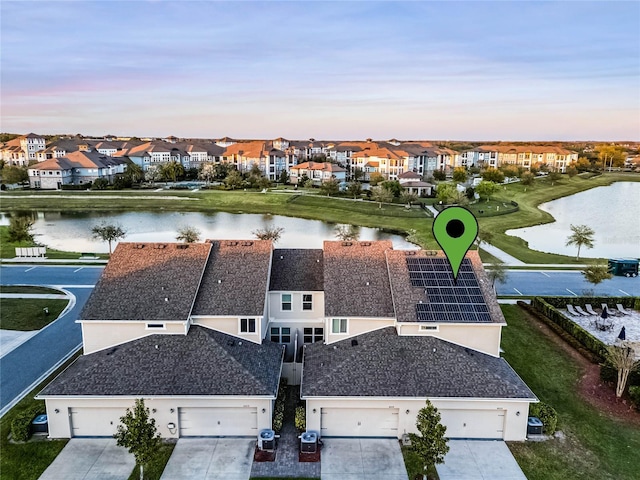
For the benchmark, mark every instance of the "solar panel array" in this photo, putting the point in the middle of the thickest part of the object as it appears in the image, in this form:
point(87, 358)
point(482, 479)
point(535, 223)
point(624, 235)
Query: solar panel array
point(446, 300)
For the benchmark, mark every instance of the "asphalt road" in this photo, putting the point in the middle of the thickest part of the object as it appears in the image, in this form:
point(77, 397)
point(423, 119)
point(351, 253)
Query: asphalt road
point(25, 365)
point(558, 282)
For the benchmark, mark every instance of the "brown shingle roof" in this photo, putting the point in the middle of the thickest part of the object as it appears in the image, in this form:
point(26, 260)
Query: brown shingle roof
point(148, 281)
point(297, 269)
point(235, 278)
point(356, 281)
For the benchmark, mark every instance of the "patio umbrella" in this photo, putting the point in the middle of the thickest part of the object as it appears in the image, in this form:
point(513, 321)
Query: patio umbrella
point(604, 314)
point(623, 334)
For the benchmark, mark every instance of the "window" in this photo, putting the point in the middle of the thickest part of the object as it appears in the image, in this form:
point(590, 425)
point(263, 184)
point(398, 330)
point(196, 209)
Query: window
point(247, 325)
point(155, 326)
point(286, 302)
point(339, 325)
point(312, 335)
point(281, 334)
point(307, 302)
point(426, 328)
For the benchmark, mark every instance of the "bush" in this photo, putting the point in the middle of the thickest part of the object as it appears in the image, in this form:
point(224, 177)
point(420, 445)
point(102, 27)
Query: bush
point(100, 184)
point(301, 419)
point(21, 424)
point(547, 415)
point(634, 393)
point(278, 410)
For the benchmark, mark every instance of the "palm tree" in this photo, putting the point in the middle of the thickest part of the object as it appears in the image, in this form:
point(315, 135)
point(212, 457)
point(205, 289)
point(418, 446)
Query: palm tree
point(582, 235)
point(108, 233)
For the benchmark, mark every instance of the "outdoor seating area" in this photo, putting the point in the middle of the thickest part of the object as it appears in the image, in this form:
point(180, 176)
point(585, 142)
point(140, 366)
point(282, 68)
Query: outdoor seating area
point(611, 325)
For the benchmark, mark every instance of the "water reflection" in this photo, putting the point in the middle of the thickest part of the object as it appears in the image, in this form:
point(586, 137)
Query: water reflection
point(71, 231)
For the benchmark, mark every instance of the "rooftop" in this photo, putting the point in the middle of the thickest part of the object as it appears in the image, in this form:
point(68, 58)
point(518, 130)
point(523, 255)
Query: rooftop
point(297, 269)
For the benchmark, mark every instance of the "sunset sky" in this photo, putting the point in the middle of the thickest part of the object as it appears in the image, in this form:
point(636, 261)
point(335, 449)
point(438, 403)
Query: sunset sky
point(329, 70)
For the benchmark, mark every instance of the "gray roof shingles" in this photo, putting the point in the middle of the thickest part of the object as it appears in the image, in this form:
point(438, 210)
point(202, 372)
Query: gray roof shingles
point(203, 362)
point(297, 269)
point(383, 364)
point(148, 281)
point(235, 278)
point(356, 280)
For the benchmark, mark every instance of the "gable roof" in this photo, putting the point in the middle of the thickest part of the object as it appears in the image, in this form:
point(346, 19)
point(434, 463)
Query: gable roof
point(297, 269)
point(384, 364)
point(148, 281)
point(235, 278)
point(356, 282)
point(202, 362)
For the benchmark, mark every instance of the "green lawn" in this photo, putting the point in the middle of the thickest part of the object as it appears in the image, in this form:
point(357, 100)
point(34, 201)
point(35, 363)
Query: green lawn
point(29, 289)
point(27, 314)
point(414, 465)
point(595, 446)
point(8, 248)
point(154, 470)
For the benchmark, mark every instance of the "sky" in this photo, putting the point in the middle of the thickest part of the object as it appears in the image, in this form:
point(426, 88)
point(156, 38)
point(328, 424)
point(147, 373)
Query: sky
point(452, 70)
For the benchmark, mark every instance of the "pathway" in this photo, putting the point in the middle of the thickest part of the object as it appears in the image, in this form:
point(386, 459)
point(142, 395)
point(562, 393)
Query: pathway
point(507, 259)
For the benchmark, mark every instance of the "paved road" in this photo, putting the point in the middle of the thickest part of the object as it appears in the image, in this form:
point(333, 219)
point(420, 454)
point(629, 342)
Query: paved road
point(554, 282)
point(20, 368)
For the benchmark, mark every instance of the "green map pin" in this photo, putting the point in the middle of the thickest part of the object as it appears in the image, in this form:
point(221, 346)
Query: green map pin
point(455, 229)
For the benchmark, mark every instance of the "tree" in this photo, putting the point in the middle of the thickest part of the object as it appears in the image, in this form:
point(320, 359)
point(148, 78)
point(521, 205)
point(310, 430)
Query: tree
point(152, 174)
point(611, 156)
point(268, 233)
point(263, 183)
point(188, 235)
point(303, 179)
point(381, 195)
point(408, 198)
point(330, 187)
point(234, 179)
point(284, 177)
point(596, 274)
point(137, 433)
point(459, 175)
point(393, 186)
point(485, 189)
point(375, 178)
point(14, 175)
point(108, 233)
point(446, 193)
point(172, 170)
point(207, 172)
point(431, 445)
point(527, 179)
point(354, 189)
point(554, 177)
point(493, 175)
point(100, 184)
point(134, 172)
point(497, 272)
point(572, 171)
point(582, 235)
point(357, 174)
point(347, 232)
point(439, 175)
point(20, 228)
point(484, 236)
point(623, 359)
point(510, 171)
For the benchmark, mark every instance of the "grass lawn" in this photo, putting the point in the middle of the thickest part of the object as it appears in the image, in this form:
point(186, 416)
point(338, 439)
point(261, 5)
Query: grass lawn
point(27, 314)
point(28, 289)
point(154, 470)
point(595, 446)
point(414, 465)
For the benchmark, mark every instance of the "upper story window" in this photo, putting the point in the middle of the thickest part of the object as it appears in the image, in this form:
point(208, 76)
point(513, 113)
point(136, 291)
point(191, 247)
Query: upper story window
point(339, 325)
point(307, 302)
point(286, 302)
point(247, 325)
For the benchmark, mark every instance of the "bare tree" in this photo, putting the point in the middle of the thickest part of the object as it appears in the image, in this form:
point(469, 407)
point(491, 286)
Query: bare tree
point(269, 233)
point(188, 235)
point(347, 232)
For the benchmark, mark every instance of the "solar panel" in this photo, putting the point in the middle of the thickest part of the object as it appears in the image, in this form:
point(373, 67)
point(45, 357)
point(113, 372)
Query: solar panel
point(446, 300)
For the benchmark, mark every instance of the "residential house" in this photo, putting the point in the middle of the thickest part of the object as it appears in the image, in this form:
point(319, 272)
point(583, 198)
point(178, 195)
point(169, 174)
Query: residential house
point(270, 160)
point(317, 172)
point(525, 156)
point(31, 144)
point(204, 332)
point(412, 183)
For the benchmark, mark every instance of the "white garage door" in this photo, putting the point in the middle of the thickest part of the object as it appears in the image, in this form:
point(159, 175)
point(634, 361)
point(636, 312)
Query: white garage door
point(95, 422)
point(213, 422)
point(474, 423)
point(359, 422)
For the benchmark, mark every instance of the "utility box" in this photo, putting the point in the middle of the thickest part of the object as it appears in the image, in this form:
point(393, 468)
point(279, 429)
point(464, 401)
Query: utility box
point(40, 424)
point(627, 267)
point(534, 426)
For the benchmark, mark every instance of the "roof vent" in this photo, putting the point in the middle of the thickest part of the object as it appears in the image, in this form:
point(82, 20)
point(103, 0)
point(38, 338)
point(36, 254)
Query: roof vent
point(219, 281)
point(139, 245)
point(232, 244)
point(160, 246)
point(354, 343)
point(247, 244)
point(157, 348)
point(166, 299)
point(365, 244)
point(347, 244)
point(182, 246)
point(367, 284)
point(281, 257)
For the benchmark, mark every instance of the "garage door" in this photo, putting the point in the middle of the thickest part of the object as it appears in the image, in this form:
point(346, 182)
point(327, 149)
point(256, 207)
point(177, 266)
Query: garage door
point(359, 422)
point(474, 423)
point(213, 422)
point(95, 422)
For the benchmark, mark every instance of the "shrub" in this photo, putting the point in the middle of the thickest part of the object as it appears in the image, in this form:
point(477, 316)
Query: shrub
point(547, 415)
point(21, 424)
point(301, 419)
point(634, 393)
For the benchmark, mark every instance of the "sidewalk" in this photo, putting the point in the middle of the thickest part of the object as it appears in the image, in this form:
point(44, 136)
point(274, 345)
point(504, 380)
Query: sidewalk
point(40, 260)
point(507, 259)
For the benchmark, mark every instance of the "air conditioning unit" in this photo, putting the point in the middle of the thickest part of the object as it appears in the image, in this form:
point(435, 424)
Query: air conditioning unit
point(309, 442)
point(267, 439)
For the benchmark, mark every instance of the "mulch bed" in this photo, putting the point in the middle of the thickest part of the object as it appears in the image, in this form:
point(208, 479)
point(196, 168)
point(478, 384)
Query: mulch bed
point(264, 455)
point(309, 457)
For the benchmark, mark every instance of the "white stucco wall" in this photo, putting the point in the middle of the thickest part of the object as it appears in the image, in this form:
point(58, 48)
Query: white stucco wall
point(483, 338)
point(230, 326)
point(100, 335)
point(296, 313)
point(356, 326)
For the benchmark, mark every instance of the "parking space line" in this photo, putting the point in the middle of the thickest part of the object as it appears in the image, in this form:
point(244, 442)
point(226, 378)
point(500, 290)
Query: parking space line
point(519, 292)
point(78, 269)
point(29, 269)
point(627, 294)
point(572, 293)
point(546, 275)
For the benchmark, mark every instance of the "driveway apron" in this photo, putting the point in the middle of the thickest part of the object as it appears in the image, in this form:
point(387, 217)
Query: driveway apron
point(362, 459)
point(479, 460)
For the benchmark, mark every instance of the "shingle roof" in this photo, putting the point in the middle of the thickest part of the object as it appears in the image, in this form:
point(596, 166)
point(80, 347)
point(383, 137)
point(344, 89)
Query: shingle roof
point(297, 270)
point(356, 282)
point(203, 362)
point(406, 296)
point(148, 281)
point(235, 278)
point(383, 364)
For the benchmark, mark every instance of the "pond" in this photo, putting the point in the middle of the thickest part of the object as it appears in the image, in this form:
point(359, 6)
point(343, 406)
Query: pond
point(71, 231)
point(613, 212)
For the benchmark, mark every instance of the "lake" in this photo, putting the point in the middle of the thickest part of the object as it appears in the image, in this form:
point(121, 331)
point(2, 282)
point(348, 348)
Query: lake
point(71, 231)
point(613, 212)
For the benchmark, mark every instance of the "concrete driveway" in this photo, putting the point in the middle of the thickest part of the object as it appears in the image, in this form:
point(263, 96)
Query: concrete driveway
point(91, 459)
point(208, 458)
point(479, 460)
point(362, 459)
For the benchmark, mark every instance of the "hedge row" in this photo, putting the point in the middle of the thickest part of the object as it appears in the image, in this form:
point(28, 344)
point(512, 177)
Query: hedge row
point(561, 302)
point(21, 424)
point(278, 411)
point(547, 415)
point(546, 307)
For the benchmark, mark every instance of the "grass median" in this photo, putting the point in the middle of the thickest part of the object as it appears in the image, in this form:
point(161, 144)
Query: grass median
point(26, 314)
